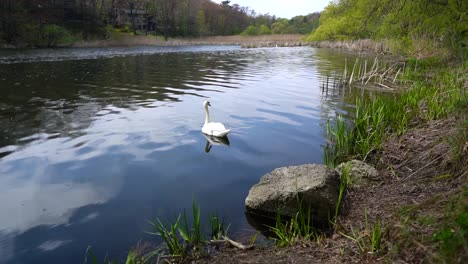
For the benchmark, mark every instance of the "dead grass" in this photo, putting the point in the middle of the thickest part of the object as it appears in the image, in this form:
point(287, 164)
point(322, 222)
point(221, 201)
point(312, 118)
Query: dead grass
point(362, 45)
point(244, 41)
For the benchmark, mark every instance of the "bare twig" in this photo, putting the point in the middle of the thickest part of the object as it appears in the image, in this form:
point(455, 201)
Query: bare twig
point(232, 243)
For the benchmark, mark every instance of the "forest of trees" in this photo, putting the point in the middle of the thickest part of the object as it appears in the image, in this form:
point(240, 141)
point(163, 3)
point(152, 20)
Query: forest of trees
point(51, 22)
point(407, 23)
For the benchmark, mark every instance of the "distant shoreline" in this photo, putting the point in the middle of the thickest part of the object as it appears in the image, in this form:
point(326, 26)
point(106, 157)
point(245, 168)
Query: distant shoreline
point(243, 41)
point(128, 40)
point(279, 40)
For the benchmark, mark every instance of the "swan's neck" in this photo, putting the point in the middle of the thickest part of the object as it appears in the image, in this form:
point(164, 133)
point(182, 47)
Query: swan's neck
point(207, 116)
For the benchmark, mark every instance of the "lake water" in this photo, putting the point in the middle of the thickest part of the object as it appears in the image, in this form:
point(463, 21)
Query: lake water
point(95, 142)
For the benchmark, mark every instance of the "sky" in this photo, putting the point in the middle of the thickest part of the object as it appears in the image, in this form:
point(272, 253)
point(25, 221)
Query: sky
point(283, 8)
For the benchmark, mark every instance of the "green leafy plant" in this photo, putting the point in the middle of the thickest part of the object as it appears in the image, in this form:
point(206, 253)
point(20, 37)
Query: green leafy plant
point(218, 227)
point(169, 234)
point(364, 133)
point(132, 258)
point(344, 182)
point(452, 237)
point(54, 36)
point(369, 239)
point(297, 229)
point(192, 235)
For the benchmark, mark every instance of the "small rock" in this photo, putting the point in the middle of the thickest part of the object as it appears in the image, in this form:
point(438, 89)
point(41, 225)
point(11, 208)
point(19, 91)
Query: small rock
point(359, 172)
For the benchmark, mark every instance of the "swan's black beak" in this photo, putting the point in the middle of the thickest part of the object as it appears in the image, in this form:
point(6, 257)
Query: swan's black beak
point(209, 104)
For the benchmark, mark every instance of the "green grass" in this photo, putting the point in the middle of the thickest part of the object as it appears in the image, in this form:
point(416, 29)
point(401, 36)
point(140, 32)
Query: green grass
point(298, 228)
point(368, 240)
point(218, 227)
point(132, 258)
point(169, 233)
point(192, 235)
point(344, 182)
point(452, 236)
point(440, 223)
point(459, 144)
point(181, 238)
point(428, 99)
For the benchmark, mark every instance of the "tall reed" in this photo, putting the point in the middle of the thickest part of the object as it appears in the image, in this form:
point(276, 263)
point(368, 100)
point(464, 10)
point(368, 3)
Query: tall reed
point(182, 238)
point(430, 99)
point(298, 228)
point(344, 182)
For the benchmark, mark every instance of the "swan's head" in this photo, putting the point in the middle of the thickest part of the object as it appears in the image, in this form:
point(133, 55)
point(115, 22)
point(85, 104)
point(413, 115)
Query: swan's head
point(206, 103)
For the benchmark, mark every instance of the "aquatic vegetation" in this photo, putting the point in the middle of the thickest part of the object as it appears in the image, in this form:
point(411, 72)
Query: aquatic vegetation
point(179, 237)
point(182, 239)
point(218, 228)
point(192, 235)
point(344, 182)
point(133, 257)
point(298, 228)
point(374, 119)
point(169, 234)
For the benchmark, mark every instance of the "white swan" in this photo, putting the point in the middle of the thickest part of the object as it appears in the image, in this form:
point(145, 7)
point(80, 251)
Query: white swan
point(212, 128)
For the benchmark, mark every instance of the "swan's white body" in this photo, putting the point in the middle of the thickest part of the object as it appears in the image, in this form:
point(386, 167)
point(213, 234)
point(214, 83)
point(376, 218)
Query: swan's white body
point(212, 128)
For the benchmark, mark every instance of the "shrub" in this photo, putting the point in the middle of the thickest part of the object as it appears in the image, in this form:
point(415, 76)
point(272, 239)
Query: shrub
point(264, 30)
point(250, 31)
point(54, 36)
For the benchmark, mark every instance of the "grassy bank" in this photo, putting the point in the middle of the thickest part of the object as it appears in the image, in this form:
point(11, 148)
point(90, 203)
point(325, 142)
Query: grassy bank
point(434, 92)
point(419, 142)
point(245, 41)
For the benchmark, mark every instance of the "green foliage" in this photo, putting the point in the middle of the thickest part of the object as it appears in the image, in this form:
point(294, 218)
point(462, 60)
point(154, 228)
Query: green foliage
point(132, 258)
point(452, 237)
point(264, 30)
point(169, 234)
point(296, 25)
point(344, 182)
point(356, 141)
point(369, 239)
point(181, 238)
point(46, 36)
point(254, 31)
point(53, 36)
point(430, 99)
point(201, 23)
point(280, 26)
point(415, 26)
point(297, 229)
point(112, 33)
point(376, 236)
point(250, 31)
point(459, 144)
point(189, 234)
point(218, 227)
point(26, 24)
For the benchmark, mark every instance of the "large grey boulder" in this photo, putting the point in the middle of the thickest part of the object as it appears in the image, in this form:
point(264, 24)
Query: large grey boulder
point(359, 172)
point(317, 186)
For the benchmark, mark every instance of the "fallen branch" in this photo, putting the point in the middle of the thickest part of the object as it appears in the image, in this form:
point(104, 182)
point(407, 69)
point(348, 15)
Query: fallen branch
point(232, 243)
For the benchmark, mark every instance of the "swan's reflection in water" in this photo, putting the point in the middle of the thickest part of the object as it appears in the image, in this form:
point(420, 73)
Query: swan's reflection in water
point(215, 141)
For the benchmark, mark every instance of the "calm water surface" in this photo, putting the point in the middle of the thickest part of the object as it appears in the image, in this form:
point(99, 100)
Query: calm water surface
point(95, 142)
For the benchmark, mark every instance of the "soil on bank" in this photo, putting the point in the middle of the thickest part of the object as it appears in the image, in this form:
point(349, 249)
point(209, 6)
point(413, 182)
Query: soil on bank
point(417, 183)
